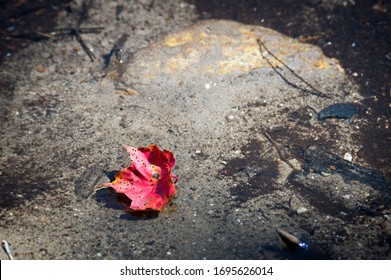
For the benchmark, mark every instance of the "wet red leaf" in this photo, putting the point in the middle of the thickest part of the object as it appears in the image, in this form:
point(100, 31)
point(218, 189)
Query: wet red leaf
point(148, 181)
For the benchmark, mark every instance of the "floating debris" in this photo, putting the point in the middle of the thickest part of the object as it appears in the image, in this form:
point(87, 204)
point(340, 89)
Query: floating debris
point(339, 111)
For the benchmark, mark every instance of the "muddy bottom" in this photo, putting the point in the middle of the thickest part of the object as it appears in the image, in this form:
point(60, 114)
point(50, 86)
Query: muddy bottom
point(278, 121)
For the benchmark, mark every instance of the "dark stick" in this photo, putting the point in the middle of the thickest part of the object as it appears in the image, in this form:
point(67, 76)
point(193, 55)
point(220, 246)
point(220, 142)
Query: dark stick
point(44, 34)
point(84, 46)
point(67, 31)
point(316, 91)
point(83, 15)
point(268, 137)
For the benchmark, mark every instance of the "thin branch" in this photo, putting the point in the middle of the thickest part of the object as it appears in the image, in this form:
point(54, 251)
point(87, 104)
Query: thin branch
point(71, 31)
point(268, 137)
point(85, 47)
point(314, 92)
point(50, 33)
point(75, 31)
point(82, 17)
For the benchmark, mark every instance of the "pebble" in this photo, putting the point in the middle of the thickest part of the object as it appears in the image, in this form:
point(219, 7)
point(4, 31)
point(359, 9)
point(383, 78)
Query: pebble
point(348, 157)
point(342, 213)
point(301, 210)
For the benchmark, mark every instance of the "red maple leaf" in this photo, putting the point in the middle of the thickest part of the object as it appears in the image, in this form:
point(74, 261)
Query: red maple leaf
point(148, 181)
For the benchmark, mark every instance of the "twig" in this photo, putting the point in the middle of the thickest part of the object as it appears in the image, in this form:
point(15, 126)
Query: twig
point(7, 249)
point(83, 15)
point(268, 137)
point(84, 46)
point(73, 31)
point(48, 34)
point(81, 30)
point(314, 92)
point(45, 35)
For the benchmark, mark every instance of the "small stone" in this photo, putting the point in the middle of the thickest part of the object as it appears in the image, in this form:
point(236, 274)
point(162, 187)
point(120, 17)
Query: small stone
point(332, 167)
point(348, 157)
point(301, 210)
point(342, 213)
